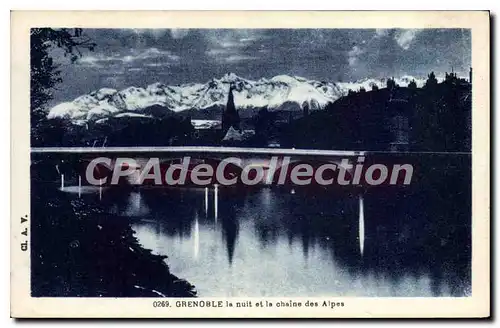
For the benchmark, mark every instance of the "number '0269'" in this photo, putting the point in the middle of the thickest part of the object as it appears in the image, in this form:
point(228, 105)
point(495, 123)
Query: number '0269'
point(157, 304)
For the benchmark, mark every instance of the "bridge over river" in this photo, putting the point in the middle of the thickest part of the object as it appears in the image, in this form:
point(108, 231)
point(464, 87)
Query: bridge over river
point(74, 161)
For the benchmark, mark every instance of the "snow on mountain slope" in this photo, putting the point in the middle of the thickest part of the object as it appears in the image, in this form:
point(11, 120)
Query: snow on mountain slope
point(272, 93)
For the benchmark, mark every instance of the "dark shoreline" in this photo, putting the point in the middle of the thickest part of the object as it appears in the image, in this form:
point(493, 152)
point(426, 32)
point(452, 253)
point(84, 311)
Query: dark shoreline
point(81, 251)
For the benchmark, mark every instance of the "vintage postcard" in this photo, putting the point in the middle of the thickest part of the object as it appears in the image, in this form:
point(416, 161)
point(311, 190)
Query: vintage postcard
point(250, 164)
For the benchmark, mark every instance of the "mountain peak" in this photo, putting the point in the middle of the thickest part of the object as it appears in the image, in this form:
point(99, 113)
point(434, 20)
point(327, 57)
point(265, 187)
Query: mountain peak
point(230, 77)
point(292, 92)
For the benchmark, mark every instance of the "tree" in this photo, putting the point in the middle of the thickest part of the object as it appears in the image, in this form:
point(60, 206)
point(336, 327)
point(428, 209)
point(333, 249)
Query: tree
point(412, 85)
point(391, 84)
point(44, 72)
point(431, 80)
point(374, 87)
point(264, 126)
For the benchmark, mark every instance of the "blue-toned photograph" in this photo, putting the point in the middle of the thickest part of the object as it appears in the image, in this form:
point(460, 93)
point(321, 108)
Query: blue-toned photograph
point(250, 162)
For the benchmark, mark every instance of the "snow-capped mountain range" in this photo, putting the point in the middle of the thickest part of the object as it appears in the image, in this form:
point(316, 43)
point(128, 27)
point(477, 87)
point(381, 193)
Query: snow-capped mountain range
point(275, 93)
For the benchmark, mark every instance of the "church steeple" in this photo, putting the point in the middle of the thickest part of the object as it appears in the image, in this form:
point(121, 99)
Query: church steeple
point(230, 117)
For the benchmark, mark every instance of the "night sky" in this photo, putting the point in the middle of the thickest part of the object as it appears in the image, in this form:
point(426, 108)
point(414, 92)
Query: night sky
point(138, 57)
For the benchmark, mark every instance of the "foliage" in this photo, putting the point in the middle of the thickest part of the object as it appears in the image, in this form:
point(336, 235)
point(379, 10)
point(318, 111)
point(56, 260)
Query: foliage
point(431, 81)
point(391, 84)
point(44, 73)
point(438, 119)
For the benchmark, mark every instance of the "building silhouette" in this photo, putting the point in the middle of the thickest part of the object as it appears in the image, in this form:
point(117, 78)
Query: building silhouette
point(230, 117)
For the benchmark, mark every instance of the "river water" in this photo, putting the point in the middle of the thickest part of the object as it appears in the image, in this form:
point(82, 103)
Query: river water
point(285, 242)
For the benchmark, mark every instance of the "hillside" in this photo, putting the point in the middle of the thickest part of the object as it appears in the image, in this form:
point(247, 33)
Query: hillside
point(431, 118)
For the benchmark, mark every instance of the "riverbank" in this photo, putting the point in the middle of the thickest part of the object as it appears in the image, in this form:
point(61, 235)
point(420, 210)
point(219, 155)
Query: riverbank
point(79, 250)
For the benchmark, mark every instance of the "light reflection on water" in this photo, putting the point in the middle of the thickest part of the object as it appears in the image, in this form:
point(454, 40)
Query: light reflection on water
point(361, 225)
point(272, 242)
